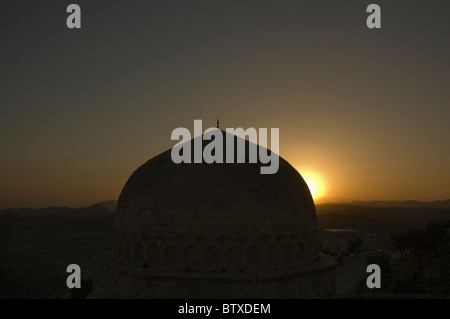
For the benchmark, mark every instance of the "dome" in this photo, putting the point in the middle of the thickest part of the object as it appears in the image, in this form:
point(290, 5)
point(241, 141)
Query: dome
point(210, 218)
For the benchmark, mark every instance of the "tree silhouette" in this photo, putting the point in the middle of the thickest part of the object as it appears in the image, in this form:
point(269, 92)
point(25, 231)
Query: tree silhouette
point(400, 242)
point(421, 242)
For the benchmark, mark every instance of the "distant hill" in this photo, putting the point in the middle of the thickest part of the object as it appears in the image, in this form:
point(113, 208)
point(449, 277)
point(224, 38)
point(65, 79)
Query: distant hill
point(111, 204)
point(32, 211)
point(445, 204)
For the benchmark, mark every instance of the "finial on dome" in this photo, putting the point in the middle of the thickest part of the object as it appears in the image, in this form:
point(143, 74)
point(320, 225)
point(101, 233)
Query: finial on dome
point(217, 121)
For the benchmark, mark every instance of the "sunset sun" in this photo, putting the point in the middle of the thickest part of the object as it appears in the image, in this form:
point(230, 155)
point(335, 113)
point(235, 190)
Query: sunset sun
point(312, 189)
point(315, 184)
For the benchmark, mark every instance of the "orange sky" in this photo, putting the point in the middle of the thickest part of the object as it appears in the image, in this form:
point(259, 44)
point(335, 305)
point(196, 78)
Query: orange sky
point(365, 111)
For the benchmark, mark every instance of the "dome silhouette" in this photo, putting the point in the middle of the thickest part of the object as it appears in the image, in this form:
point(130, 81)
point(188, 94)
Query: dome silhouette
point(229, 207)
point(192, 230)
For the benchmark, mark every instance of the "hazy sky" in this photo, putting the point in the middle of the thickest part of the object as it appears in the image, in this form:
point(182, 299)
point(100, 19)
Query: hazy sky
point(363, 113)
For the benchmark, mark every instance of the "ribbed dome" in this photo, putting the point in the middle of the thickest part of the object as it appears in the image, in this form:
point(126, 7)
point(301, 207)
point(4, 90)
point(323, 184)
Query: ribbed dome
point(215, 217)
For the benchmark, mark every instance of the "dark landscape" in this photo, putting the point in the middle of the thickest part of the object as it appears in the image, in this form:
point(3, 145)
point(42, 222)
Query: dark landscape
point(36, 245)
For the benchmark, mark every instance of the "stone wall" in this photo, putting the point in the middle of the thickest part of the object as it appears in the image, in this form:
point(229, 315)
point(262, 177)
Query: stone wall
point(316, 280)
point(223, 253)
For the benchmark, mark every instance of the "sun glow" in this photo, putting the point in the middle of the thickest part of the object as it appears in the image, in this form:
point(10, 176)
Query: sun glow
point(315, 183)
point(312, 189)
